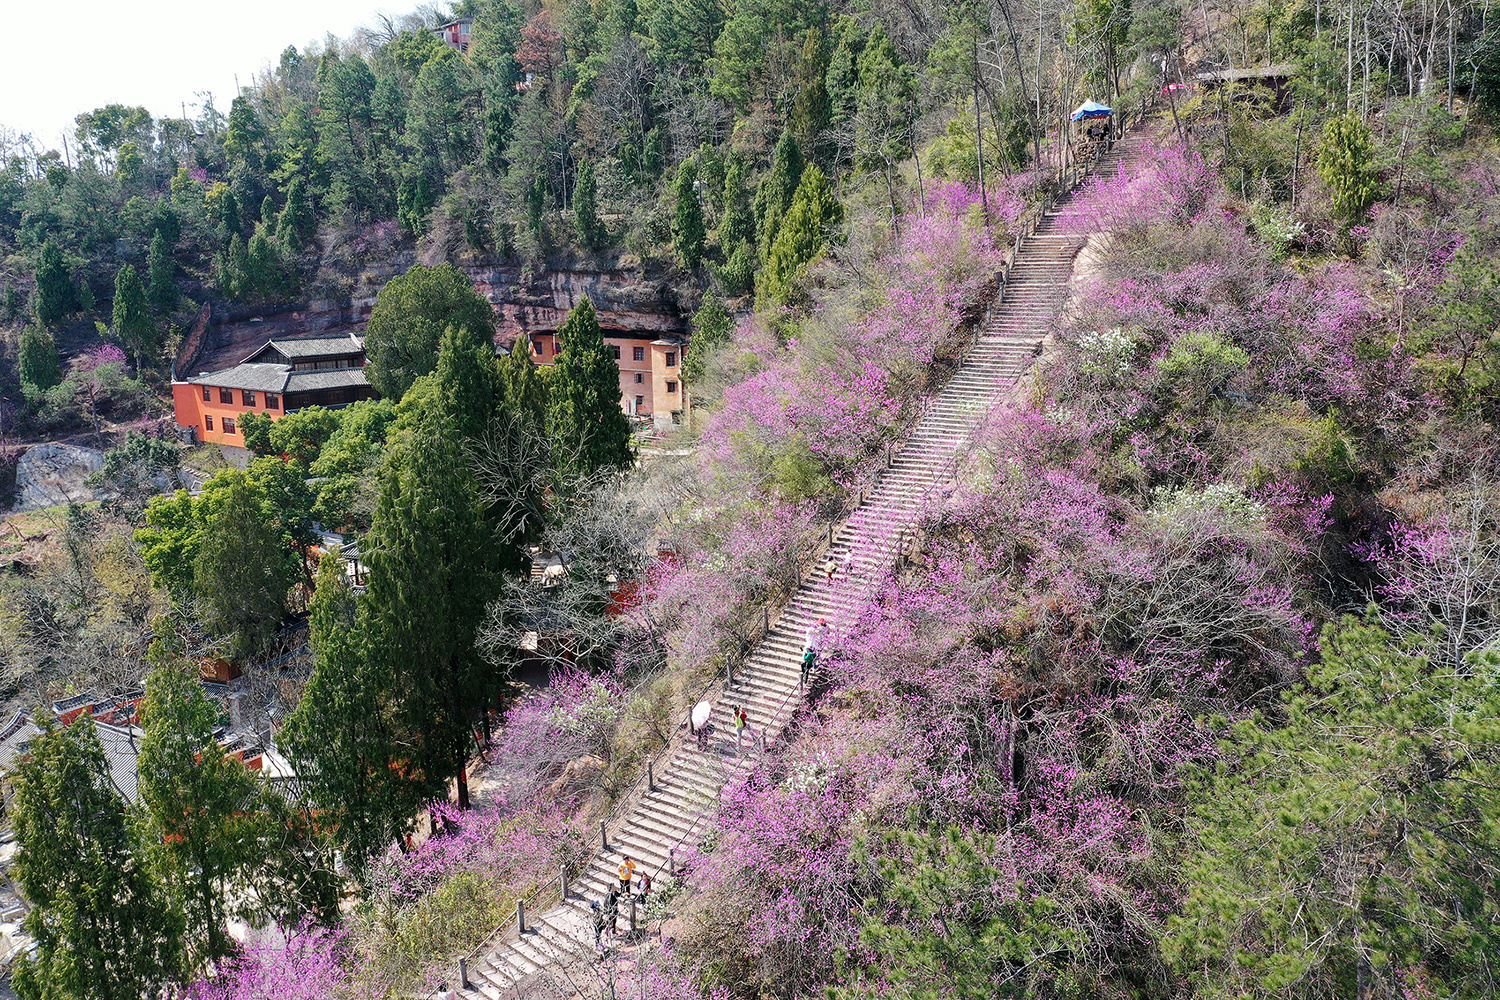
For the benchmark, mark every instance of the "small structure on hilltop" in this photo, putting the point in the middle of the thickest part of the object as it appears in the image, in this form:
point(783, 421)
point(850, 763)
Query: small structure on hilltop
point(1277, 78)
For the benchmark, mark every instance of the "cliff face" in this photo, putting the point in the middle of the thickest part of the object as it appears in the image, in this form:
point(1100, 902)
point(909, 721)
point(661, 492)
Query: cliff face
point(525, 303)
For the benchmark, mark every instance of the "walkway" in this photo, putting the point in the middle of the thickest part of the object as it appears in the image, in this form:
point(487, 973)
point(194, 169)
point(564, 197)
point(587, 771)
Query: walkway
point(688, 782)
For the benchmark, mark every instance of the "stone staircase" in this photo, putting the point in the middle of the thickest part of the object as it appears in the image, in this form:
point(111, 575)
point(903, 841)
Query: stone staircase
point(688, 781)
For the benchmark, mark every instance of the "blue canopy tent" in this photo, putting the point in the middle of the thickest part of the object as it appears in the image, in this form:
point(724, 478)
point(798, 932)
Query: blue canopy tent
point(1091, 109)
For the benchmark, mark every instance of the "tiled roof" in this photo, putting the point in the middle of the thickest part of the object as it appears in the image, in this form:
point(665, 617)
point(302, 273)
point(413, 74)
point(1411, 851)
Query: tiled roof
point(332, 378)
point(16, 737)
point(313, 347)
point(77, 701)
point(256, 377)
point(122, 751)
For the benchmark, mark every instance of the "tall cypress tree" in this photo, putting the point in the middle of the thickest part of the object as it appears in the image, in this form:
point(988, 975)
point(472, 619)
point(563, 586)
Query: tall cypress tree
point(774, 196)
point(159, 270)
point(688, 234)
point(344, 737)
point(203, 806)
point(101, 920)
point(133, 324)
point(591, 232)
point(434, 566)
point(38, 361)
point(804, 232)
point(584, 416)
point(56, 295)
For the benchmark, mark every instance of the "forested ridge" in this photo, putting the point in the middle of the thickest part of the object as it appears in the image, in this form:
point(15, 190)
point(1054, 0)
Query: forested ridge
point(1187, 685)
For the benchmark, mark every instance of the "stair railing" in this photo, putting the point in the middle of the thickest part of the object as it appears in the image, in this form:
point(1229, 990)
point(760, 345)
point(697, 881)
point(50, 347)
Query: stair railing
point(1066, 181)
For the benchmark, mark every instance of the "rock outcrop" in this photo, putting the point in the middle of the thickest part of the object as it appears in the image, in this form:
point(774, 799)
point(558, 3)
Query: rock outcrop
point(54, 473)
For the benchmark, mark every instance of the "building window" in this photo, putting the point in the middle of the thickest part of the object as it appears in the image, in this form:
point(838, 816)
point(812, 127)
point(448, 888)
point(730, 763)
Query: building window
point(639, 377)
point(536, 347)
point(637, 354)
point(615, 350)
point(248, 396)
point(208, 422)
point(273, 401)
point(205, 394)
point(671, 359)
point(640, 401)
point(671, 386)
point(228, 425)
point(676, 416)
point(556, 347)
point(226, 395)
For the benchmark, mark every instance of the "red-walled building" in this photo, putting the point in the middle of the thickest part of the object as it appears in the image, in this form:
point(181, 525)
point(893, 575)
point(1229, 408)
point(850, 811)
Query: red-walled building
point(650, 370)
point(279, 378)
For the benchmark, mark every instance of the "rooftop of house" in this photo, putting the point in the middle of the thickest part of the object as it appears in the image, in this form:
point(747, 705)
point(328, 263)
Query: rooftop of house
point(1247, 73)
point(271, 367)
point(312, 347)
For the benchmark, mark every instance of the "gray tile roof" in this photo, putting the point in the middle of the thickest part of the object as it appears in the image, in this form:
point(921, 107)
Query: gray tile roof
point(313, 347)
point(16, 738)
point(332, 378)
point(122, 751)
point(256, 377)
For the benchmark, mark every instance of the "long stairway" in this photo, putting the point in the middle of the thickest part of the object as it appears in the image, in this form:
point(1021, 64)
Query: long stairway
point(677, 813)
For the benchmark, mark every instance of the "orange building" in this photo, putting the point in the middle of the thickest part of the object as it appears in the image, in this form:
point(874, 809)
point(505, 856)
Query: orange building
point(279, 378)
point(650, 371)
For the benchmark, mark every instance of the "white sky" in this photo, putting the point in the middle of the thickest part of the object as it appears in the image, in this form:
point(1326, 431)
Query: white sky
point(56, 62)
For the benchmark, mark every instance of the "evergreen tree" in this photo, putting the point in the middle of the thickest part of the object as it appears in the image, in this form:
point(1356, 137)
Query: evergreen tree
point(803, 235)
point(688, 234)
point(711, 329)
point(1355, 837)
point(521, 382)
point(38, 361)
point(56, 295)
point(245, 137)
point(774, 196)
point(738, 222)
point(265, 277)
point(468, 381)
point(536, 203)
point(133, 324)
point(591, 232)
point(433, 569)
point(103, 926)
point(231, 269)
point(343, 737)
point(1347, 165)
point(810, 108)
point(296, 222)
point(230, 224)
point(401, 339)
point(244, 567)
point(160, 268)
point(738, 273)
point(584, 416)
point(202, 806)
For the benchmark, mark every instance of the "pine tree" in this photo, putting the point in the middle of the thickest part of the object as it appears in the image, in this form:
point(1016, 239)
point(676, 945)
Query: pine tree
point(407, 323)
point(202, 806)
point(56, 295)
point(133, 325)
point(468, 382)
point(38, 362)
point(584, 416)
point(103, 926)
point(688, 234)
point(343, 737)
point(774, 196)
point(803, 235)
point(159, 269)
point(591, 231)
point(711, 328)
point(738, 273)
